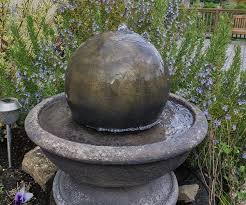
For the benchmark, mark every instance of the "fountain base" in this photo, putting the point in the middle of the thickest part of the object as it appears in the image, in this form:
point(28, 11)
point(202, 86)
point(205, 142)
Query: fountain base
point(162, 191)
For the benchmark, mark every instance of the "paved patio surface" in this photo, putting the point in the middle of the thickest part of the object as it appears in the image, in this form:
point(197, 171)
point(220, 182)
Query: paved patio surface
point(231, 53)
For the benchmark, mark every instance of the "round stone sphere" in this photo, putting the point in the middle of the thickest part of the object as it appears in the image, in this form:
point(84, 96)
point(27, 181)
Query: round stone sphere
point(117, 81)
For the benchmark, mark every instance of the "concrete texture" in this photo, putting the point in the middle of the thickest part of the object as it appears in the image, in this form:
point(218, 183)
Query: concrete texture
point(115, 165)
point(149, 152)
point(163, 191)
point(116, 175)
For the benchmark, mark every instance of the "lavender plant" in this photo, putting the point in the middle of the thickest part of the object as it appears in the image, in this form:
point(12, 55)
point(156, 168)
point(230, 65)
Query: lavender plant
point(5, 74)
point(35, 63)
point(39, 66)
point(219, 93)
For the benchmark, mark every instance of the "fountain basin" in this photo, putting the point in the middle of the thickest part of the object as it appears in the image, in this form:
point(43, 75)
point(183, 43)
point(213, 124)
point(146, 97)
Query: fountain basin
point(116, 160)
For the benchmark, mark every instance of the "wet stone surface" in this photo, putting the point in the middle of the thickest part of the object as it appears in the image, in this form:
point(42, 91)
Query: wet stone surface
point(113, 79)
point(57, 119)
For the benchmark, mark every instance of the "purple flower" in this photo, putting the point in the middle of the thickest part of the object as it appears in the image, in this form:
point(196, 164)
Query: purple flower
point(228, 117)
point(18, 74)
point(22, 196)
point(241, 102)
point(225, 108)
point(217, 123)
point(209, 82)
point(199, 90)
point(234, 127)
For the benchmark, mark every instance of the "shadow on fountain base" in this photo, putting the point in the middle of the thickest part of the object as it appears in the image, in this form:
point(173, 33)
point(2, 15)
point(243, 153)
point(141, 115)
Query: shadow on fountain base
point(161, 191)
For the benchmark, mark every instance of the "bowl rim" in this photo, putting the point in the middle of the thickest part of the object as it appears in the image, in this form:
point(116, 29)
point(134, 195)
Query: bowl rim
point(88, 153)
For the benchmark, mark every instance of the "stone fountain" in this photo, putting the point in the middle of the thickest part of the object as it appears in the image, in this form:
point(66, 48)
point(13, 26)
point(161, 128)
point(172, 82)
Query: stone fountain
point(117, 133)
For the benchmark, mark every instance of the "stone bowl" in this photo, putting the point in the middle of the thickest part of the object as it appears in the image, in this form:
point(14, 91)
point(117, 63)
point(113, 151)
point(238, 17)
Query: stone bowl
point(116, 160)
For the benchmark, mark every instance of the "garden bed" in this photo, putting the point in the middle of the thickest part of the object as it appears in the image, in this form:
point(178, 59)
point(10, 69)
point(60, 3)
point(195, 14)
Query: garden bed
point(12, 179)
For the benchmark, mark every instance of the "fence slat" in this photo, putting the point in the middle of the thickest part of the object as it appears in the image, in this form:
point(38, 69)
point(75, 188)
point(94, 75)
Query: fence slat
point(237, 16)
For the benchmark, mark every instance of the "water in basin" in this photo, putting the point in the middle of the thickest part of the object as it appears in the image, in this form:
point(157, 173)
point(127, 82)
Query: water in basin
point(56, 119)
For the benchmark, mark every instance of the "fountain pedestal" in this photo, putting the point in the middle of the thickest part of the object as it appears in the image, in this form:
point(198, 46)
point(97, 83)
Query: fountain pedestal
point(162, 191)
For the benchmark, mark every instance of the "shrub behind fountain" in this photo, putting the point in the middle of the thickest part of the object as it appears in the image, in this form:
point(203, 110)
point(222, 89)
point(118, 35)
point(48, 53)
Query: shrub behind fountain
point(117, 83)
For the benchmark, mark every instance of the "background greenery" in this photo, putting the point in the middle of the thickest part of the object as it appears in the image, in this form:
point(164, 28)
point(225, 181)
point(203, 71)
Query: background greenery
point(225, 4)
point(36, 50)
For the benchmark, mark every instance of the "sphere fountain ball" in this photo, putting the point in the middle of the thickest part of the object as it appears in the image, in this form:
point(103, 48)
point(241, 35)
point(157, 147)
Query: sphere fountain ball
point(117, 81)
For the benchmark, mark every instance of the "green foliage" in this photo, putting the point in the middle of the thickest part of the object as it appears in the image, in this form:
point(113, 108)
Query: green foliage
point(33, 67)
point(39, 67)
point(188, 56)
point(233, 5)
point(229, 5)
point(222, 152)
point(210, 5)
point(199, 76)
point(240, 6)
point(1, 190)
point(6, 86)
point(212, 1)
point(219, 42)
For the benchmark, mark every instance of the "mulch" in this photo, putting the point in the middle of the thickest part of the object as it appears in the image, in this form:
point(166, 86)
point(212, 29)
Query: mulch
point(11, 179)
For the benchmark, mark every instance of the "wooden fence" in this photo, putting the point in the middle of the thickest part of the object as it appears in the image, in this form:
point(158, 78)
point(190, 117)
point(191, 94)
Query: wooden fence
point(238, 19)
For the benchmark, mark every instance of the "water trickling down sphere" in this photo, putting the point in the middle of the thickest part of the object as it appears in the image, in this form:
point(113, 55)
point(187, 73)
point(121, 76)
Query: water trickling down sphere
point(117, 81)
